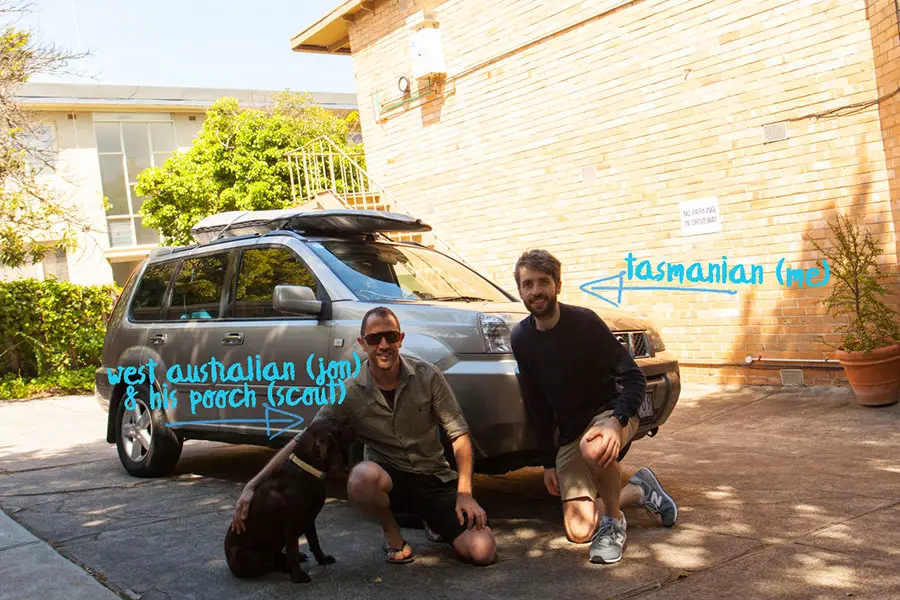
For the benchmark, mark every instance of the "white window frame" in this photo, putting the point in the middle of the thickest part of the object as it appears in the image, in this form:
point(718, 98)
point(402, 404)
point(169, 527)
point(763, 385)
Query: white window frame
point(53, 147)
point(147, 119)
point(64, 260)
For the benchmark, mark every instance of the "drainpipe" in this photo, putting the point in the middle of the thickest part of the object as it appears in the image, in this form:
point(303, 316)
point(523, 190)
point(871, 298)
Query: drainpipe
point(750, 359)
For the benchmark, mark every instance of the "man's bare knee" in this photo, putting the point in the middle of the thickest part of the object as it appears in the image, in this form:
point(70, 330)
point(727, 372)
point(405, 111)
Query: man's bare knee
point(592, 457)
point(365, 481)
point(484, 547)
point(580, 518)
point(579, 532)
point(591, 451)
point(587, 451)
point(477, 545)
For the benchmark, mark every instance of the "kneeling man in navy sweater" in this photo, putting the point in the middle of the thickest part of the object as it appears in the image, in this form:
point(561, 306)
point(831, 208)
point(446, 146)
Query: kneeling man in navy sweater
point(569, 361)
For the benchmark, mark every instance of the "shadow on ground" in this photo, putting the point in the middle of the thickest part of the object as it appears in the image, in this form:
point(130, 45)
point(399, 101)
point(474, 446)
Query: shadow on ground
point(782, 494)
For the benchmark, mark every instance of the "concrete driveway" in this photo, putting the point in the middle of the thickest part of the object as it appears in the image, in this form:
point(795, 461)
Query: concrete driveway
point(782, 493)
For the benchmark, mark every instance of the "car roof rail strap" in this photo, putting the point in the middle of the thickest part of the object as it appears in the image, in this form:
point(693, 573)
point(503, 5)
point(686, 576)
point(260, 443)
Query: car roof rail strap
point(310, 222)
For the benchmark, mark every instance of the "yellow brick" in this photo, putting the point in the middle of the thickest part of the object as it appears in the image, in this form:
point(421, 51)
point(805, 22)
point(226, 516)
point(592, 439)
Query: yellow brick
point(667, 102)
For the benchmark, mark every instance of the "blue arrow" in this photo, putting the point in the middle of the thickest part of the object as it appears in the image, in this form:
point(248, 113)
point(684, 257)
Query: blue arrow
point(592, 288)
point(294, 421)
point(269, 407)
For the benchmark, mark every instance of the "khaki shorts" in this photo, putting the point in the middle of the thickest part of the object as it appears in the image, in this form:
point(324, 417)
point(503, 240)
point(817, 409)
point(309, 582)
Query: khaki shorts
point(575, 477)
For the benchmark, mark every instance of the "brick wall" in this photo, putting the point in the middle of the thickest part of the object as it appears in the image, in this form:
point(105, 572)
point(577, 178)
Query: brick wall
point(885, 30)
point(665, 101)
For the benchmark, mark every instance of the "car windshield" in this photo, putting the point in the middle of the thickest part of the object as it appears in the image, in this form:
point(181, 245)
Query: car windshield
point(377, 271)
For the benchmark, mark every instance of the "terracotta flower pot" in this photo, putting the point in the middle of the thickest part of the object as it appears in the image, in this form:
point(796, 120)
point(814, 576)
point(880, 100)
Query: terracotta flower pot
point(875, 376)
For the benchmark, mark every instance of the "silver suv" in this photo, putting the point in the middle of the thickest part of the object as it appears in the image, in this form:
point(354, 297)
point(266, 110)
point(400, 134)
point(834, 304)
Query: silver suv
point(291, 287)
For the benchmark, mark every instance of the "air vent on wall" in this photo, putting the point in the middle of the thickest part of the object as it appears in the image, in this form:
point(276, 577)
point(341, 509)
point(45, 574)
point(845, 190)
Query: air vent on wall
point(775, 132)
point(792, 377)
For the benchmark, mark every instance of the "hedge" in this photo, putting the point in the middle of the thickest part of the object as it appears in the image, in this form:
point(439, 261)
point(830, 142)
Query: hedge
point(76, 381)
point(52, 326)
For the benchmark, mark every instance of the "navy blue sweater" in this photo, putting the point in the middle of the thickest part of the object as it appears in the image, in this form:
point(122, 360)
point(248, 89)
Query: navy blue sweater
point(569, 373)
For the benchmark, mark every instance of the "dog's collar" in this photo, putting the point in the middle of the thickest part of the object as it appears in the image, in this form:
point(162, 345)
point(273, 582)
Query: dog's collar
point(308, 468)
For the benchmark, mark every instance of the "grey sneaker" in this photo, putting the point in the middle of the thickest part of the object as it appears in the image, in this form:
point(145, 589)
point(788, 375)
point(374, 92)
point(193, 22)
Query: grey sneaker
point(654, 498)
point(608, 543)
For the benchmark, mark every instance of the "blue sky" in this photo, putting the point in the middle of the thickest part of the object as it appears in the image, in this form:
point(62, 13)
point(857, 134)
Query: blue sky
point(193, 43)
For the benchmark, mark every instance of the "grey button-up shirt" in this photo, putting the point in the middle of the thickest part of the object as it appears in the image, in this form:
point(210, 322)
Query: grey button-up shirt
point(407, 437)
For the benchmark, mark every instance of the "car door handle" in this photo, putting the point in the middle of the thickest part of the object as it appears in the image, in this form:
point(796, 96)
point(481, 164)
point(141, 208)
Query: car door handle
point(233, 339)
point(159, 338)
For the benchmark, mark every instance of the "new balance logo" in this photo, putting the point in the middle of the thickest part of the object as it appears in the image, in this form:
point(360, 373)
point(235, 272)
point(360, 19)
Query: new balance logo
point(655, 498)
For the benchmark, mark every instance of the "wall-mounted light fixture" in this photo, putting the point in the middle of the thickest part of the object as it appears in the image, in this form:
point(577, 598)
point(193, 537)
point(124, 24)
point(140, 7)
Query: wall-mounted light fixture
point(405, 88)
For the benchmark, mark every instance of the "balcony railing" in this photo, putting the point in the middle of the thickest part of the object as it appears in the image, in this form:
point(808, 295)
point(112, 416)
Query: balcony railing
point(323, 173)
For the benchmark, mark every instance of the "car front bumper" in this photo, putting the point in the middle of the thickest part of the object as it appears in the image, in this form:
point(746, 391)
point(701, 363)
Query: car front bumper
point(486, 387)
point(487, 390)
point(102, 388)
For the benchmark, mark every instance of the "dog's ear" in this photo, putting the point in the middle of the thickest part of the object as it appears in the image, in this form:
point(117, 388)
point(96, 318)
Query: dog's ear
point(346, 434)
point(340, 430)
point(305, 444)
point(328, 451)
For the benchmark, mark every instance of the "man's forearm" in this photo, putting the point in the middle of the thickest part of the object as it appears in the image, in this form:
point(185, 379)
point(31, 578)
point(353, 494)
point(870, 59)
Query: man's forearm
point(462, 451)
point(272, 466)
point(634, 385)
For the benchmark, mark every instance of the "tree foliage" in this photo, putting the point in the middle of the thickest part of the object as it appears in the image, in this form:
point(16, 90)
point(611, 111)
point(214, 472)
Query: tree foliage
point(34, 217)
point(237, 162)
point(262, 266)
point(857, 293)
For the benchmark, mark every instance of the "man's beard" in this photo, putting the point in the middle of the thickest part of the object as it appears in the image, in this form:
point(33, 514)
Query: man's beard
point(549, 307)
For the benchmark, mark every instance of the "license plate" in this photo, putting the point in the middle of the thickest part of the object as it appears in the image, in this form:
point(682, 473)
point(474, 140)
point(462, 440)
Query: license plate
point(646, 409)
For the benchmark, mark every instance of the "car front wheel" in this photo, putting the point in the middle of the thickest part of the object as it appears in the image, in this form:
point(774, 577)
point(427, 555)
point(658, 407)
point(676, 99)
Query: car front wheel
point(147, 448)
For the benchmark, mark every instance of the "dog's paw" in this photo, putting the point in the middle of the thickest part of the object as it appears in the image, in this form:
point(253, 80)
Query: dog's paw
point(326, 560)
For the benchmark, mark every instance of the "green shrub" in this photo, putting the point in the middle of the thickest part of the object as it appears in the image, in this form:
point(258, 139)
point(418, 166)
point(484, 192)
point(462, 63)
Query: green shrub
point(51, 327)
point(857, 293)
point(78, 381)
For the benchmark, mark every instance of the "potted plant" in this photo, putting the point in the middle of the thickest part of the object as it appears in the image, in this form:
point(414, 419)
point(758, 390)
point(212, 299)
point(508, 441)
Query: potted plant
point(870, 343)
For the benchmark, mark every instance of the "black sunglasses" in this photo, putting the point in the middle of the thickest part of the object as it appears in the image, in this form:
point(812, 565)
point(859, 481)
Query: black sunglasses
point(373, 339)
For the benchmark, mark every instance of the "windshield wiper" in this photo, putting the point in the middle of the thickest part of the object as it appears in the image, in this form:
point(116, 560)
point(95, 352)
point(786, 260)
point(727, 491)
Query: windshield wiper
point(459, 299)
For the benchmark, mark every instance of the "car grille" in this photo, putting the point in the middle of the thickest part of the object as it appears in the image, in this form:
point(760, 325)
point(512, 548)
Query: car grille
point(636, 342)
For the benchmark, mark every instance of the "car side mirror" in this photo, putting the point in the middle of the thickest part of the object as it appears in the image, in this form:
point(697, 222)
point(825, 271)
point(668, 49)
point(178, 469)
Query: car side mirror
point(296, 299)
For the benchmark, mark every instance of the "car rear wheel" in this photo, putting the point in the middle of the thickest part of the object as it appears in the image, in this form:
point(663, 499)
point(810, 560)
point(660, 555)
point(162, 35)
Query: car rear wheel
point(147, 448)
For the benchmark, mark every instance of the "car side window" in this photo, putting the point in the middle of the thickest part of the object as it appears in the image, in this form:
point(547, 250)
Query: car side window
point(198, 288)
point(150, 294)
point(260, 271)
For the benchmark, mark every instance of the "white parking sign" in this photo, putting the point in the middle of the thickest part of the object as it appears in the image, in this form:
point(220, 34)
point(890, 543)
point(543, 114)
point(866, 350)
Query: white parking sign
point(700, 216)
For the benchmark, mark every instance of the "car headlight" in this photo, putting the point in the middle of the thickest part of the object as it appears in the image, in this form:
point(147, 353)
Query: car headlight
point(656, 340)
point(495, 332)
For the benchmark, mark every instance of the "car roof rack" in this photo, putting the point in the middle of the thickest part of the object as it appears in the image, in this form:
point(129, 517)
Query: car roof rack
point(163, 250)
point(311, 222)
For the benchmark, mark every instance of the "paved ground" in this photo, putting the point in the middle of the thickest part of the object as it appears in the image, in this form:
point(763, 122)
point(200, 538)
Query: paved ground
point(790, 494)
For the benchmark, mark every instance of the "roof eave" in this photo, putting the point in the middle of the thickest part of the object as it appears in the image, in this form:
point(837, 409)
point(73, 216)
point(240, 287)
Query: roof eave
point(329, 35)
point(345, 51)
point(174, 106)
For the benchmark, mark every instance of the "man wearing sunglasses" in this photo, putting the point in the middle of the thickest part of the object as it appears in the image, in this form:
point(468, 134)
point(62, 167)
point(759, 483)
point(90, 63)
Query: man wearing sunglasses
point(395, 406)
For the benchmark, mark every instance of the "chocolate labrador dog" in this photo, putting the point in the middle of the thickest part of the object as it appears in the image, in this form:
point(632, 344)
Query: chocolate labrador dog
point(285, 506)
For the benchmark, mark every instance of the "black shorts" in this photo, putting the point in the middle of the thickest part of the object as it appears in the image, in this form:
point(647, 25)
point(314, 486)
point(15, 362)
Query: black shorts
point(427, 497)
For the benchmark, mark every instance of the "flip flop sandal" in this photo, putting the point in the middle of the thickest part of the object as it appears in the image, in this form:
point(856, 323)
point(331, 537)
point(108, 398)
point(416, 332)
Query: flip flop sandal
point(397, 561)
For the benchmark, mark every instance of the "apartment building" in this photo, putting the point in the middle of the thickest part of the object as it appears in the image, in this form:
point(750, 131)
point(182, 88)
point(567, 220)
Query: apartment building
point(676, 131)
point(101, 137)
